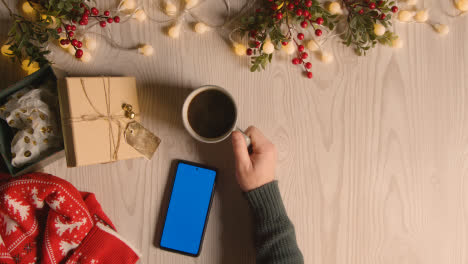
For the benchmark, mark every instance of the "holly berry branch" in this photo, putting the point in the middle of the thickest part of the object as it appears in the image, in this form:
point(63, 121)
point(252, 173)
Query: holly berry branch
point(368, 22)
point(274, 24)
point(277, 23)
point(29, 35)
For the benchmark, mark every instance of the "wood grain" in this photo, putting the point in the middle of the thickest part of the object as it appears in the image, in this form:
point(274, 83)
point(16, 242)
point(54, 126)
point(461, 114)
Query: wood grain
point(373, 152)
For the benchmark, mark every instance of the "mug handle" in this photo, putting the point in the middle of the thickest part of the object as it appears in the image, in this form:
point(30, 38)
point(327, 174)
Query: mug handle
point(247, 139)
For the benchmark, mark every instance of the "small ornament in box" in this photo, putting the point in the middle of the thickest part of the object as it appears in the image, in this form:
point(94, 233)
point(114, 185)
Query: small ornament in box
point(30, 134)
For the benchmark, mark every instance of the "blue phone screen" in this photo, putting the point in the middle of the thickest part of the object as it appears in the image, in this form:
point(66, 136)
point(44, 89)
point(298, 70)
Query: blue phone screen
point(188, 208)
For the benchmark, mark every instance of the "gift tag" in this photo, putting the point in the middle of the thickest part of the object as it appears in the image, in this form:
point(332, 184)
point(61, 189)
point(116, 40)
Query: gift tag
point(141, 139)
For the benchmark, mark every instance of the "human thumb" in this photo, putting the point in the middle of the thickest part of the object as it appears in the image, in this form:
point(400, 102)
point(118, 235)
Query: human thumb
point(240, 150)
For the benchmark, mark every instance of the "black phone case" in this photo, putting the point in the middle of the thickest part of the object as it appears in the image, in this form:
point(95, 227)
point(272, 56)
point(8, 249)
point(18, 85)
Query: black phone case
point(207, 213)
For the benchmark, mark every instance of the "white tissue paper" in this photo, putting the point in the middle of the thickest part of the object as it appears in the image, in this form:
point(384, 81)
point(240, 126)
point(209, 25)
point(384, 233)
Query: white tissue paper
point(31, 112)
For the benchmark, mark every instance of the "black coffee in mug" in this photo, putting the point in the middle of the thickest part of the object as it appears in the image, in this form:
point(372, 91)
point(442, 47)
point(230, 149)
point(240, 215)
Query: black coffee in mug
point(212, 114)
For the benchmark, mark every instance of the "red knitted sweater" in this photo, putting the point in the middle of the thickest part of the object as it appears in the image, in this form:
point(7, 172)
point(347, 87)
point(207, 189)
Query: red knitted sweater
point(44, 219)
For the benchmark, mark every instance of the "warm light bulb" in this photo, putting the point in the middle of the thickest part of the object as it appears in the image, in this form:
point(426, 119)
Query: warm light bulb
point(146, 50)
point(405, 16)
point(128, 4)
point(174, 31)
point(442, 29)
point(140, 15)
point(462, 5)
point(239, 49)
point(268, 47)
point(63, 46)
point(71, 50)
point(27, 65)
point(201, 28)
point(6, 51)
point(289, 48)
point(52, 21)
point(334, 8)
point(90, 43)
point(170, 9)
point(27, 8)
point(397, 43)
point(379, 30)
point(421, 15)
point(312, 45)
point(190, 3)
point(86, 57)
point(326, 57)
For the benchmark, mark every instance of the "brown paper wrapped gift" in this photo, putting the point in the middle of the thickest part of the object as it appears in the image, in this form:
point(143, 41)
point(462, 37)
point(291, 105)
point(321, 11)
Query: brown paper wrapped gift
point(93, 120)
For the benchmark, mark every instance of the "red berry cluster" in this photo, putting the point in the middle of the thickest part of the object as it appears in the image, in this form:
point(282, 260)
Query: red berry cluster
point(302, 12)
point(378, 8)
point(302, 56)
point(83, 13)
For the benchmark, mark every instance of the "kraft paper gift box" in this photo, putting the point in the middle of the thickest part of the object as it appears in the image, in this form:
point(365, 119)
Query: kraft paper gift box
point(93, 120)
point(7, 133)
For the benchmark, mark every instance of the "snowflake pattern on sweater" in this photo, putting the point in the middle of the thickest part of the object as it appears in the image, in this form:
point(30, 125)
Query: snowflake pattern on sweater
point(42, 216)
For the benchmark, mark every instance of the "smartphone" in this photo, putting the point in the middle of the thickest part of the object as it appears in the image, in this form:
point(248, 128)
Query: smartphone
point(188, 209)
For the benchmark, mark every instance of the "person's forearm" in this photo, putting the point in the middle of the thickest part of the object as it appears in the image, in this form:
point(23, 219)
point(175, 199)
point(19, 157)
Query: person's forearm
point(275, 239)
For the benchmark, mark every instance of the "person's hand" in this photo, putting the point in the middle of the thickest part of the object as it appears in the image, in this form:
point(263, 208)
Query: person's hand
point(258, 168)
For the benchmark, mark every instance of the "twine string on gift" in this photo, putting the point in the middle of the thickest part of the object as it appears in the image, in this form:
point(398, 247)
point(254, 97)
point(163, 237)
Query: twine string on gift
point(114, 143)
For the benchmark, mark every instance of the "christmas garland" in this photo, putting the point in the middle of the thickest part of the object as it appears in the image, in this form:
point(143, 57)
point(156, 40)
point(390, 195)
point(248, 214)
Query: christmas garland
point(294, 25)
point(46, 20)
point(291, 25)
point(276, 24)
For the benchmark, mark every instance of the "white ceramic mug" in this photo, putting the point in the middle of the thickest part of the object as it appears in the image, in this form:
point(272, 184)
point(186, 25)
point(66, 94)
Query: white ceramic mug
point(192, 132)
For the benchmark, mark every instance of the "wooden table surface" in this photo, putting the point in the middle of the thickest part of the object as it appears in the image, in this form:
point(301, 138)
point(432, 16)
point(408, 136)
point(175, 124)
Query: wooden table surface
point(373, 151)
